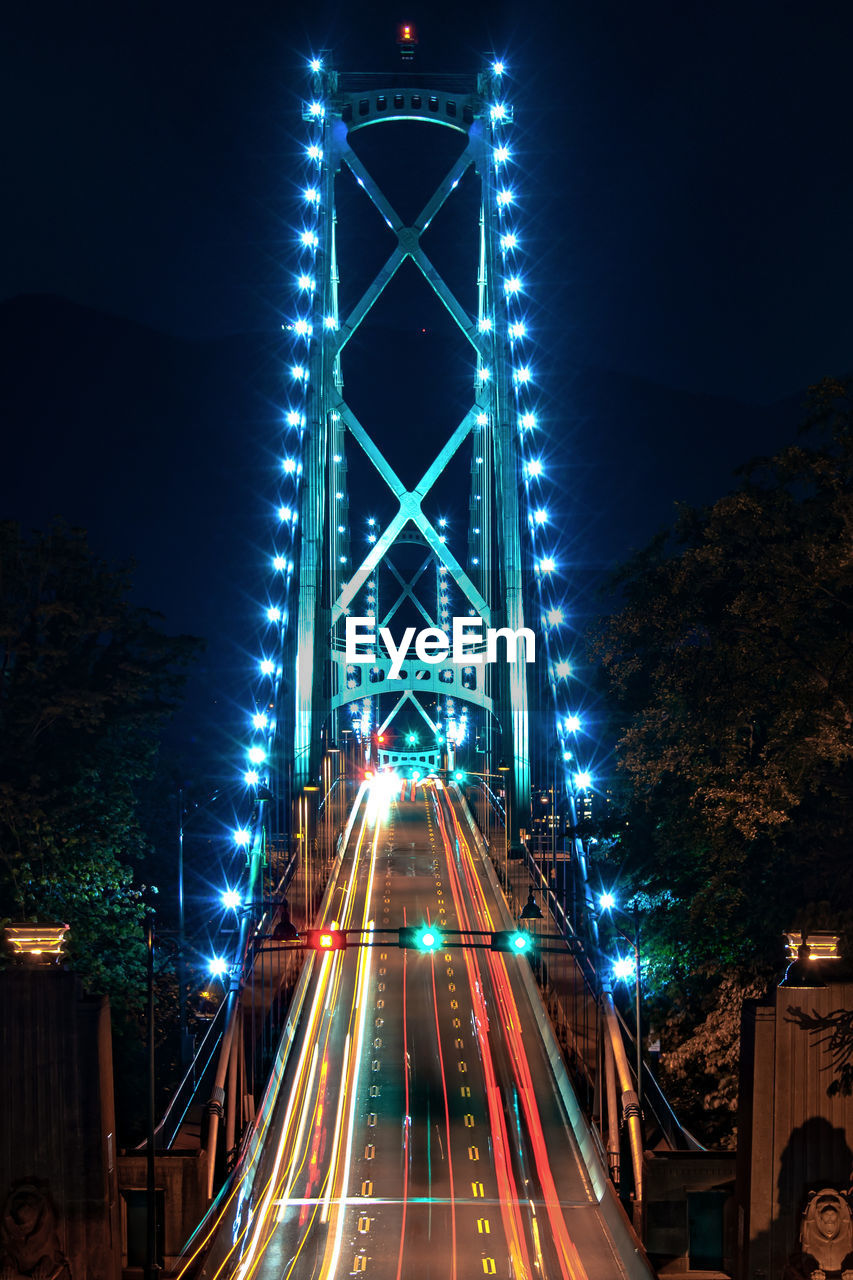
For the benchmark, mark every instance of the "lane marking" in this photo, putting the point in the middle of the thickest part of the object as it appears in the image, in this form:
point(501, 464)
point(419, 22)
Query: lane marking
point(484, 1227)
point(473, 1153)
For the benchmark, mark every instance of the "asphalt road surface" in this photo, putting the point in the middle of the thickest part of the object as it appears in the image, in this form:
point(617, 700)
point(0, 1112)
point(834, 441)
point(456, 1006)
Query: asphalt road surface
point(416, 1130)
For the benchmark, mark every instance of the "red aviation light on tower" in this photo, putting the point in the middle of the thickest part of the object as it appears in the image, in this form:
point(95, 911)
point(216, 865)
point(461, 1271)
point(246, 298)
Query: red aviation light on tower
point(406, 41)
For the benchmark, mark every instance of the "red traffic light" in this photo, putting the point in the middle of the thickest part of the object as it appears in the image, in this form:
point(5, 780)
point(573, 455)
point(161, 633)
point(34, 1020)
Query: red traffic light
point(325, 940)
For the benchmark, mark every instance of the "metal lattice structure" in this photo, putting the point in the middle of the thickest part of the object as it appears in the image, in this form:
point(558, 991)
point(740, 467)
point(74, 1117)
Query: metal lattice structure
point(310, 692)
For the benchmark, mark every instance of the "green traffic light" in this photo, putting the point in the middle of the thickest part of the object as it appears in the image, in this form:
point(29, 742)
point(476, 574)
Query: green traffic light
point(429, 940)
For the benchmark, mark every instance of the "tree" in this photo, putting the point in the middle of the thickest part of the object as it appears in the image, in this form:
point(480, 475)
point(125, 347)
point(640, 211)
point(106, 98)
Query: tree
point(730, 665)
point(86, 683)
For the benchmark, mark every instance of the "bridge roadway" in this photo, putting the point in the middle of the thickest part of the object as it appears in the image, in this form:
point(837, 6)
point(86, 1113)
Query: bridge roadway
point(416, 1129)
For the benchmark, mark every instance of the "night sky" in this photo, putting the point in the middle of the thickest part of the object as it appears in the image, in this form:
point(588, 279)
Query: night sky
point(686, 204)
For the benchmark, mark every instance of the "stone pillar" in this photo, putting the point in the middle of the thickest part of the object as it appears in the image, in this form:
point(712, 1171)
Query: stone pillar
point(58, 1181)
point(793, 1135)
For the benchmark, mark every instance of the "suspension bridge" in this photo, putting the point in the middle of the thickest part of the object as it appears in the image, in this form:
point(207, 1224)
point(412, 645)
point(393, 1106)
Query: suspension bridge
point(418, 1067)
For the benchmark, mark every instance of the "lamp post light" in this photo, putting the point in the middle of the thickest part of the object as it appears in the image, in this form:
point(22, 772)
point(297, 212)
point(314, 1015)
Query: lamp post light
point(622, 969)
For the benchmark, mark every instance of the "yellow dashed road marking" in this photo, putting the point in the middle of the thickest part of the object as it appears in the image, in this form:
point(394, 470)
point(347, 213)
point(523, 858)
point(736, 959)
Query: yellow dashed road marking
point(483, 1227)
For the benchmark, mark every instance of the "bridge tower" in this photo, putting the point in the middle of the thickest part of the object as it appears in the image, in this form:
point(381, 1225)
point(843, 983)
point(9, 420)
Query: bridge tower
point(315, 693)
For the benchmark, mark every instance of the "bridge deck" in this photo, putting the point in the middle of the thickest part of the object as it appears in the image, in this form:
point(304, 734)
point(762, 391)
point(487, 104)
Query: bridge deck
point(417, 1128)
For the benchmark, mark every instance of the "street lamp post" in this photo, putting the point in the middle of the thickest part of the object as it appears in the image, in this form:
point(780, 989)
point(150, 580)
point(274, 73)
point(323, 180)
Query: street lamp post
point(608, 903)
point(151, 1268)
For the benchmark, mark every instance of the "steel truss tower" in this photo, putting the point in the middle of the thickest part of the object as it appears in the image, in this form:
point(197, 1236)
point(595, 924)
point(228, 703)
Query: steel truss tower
point(503, 577)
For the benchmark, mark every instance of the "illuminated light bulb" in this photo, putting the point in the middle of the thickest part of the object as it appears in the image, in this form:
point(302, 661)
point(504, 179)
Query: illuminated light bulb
point(512, 285)
point(257, 755)
point(547, 565)
point(534, 467)
point(339, 496)
point(523, 374)
point(583, 780)
point(623, 967)
point(312, 195)
point(498, 68)
point(315, 152)
point(573, 724)
point(250, 778)
point(315, 109)
point(284, 513)
point(267, 667)
point(316, 65)
point(505, 198)
point(443, 521)
point(274, 614)
point(259, 720)
point(441, 538)
point(484, 374)
point(337, 458)
point(335, 416)
point(218, 966)
point(279, 564)
point(555, 617)
point(289, 465)
point(482, 421)
point(563, 670)
point(342, 559)
point(518, 330)
point(528, 421)
point(371, 537)
point(303, 328)
point(309, 239)
point(509, 241)
point(498, 111)
point(307, 282)
point(485, 324)
point(242, 836)
point(371, 520)
point(294, 418)
point(540, 516)
point(567, 755)
point(330, 322)
point(298, 372)
point(475, 560)
point(501, 155)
